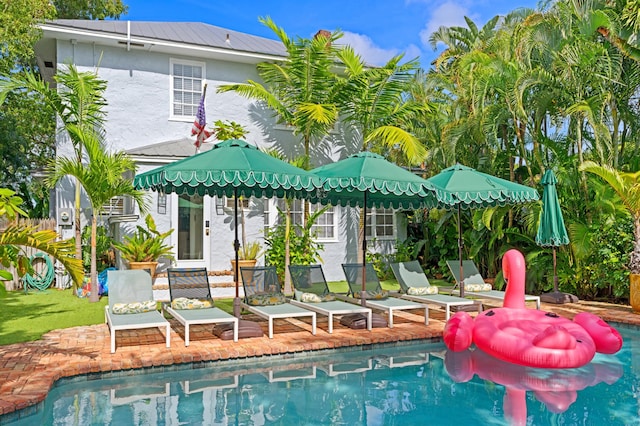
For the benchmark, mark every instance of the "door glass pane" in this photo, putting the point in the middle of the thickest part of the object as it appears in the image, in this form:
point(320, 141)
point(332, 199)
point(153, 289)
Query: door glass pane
point(190, 227)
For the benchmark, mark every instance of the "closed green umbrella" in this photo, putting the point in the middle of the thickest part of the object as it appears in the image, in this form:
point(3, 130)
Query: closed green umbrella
point(460, 187)
point(232, 168)
point(367, 180)
point(552, 233)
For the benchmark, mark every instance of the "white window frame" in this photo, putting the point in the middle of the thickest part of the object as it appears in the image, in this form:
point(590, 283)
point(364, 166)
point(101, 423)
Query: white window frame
point(371, 223)
point(244, 203)
point(334, 225)
point(172, 62)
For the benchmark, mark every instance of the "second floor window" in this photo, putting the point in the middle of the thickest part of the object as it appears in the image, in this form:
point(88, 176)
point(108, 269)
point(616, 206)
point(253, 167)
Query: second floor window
point(186, 88)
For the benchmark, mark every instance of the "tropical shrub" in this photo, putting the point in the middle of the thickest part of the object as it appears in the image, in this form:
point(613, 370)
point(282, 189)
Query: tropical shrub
point(105, 255)
point(303, 247)
point(604, 271)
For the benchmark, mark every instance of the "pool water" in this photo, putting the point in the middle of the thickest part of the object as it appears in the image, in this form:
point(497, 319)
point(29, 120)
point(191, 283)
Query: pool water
point(413, 384)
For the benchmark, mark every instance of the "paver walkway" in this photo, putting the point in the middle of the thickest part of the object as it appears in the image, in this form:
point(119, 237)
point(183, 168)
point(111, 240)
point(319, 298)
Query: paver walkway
point(28, 370)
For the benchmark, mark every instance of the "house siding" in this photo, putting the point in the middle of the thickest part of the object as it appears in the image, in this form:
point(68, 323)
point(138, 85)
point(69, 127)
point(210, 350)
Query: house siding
point(138, 115)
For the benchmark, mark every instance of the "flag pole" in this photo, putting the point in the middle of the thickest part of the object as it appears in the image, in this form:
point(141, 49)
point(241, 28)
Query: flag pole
point(201, 134)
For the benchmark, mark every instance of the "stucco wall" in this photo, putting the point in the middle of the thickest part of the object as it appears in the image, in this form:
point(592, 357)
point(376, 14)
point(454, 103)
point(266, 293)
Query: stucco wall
point(138, 114)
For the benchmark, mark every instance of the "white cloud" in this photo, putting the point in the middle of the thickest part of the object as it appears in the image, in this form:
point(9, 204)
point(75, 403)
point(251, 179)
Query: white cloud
point(373, 54)
point(365, 47)
point(448, 15)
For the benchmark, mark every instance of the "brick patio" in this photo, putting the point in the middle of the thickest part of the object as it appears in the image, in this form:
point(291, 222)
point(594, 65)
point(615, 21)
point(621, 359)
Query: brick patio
point(28, 370)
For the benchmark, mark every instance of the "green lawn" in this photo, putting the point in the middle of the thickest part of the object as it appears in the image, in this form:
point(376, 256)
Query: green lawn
point(26, 317)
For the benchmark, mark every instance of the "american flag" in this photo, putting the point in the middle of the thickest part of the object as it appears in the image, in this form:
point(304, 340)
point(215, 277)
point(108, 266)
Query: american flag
point(198, 128)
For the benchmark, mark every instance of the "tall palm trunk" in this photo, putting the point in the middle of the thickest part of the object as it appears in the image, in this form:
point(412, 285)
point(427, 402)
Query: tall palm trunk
point(78, 222)
point(95, 286)
point(287, 249)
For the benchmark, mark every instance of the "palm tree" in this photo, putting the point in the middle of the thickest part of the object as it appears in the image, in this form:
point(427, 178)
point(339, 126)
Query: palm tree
point(78, 102)
point(300, 90)
point(627, 186)
point(374, 101)
point(102, 179)
point(15, 236)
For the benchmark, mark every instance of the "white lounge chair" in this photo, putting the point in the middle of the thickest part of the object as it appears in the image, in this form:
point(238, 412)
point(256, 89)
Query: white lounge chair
point(411, 276)
point(353, 273)
point(193, 283)
point(128, 290)
point(263, 296)
point(473, 279)
point(310, 279)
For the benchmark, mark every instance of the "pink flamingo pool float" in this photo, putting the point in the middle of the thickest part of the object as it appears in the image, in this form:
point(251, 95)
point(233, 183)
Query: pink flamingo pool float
point(557, 389)
point(530, 337)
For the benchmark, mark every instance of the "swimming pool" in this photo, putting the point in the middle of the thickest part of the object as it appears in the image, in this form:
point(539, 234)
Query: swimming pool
point(418, 383)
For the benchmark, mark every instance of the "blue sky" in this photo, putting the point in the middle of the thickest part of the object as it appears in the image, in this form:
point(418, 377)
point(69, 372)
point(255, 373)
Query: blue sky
point(377, 29)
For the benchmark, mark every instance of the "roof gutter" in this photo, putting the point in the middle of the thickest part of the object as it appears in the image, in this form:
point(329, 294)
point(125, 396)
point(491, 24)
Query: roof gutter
point(60, 31)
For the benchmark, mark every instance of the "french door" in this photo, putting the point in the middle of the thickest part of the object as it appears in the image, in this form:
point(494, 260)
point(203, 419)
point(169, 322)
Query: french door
point(191, 215)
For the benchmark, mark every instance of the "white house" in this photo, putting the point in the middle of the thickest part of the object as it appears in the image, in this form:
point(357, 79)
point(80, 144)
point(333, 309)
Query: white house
point(155, 73)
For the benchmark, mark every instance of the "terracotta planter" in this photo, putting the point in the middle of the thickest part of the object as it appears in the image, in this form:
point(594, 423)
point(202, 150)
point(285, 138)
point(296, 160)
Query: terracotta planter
point(249, 263)
point(149, 266)
point(634, 292)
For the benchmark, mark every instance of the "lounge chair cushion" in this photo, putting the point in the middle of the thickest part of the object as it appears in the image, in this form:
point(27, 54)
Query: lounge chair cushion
point(245, 329)
point(313, 298)
point(185, 303)
point(374, 295)
point(478, 287)
point(266, 299)
point(134, 307)
point(359, 321)
point(422, 291)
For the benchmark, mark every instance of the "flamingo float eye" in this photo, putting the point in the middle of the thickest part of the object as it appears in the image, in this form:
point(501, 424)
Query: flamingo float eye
point(552, 314)
point(490, 314)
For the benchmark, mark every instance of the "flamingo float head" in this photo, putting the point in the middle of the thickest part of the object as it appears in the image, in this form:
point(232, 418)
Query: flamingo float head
point(514, 270)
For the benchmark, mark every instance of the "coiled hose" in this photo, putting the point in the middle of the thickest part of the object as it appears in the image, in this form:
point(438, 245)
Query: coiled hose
point(41, 280)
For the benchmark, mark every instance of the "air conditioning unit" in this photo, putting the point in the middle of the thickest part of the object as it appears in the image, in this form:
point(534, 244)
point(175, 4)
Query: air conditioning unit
point(65, 217)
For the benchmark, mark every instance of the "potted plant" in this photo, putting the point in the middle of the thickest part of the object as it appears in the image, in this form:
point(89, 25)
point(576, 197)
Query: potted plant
point(627, 186)
point(143, 249)
point(247, 256)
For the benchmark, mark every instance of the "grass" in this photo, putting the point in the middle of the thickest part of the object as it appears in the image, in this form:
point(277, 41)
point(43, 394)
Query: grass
point(26, 317)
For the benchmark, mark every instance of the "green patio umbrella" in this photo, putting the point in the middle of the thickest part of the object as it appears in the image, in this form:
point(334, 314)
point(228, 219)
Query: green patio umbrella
point(552, 233)
point(460, 187)
point(367, 180)
point(232, 168)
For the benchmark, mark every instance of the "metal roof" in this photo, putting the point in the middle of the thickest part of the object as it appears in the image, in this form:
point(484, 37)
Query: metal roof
point(174, 149)
point(193, 33)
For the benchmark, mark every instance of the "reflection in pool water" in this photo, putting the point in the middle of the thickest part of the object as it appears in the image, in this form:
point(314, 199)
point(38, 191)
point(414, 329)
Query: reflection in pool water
point(409, 384)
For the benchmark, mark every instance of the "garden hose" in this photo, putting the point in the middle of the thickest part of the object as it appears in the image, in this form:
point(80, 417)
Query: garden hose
point(41, 280)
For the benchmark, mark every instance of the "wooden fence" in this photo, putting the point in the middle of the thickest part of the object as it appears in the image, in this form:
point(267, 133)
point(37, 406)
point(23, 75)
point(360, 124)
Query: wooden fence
point(39, 264)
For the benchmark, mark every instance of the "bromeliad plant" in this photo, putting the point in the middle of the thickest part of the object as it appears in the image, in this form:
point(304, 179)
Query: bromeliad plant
point(250, 251)
point(146, 245)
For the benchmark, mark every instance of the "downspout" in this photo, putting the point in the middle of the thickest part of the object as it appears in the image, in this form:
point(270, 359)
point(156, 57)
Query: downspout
point(128, 36)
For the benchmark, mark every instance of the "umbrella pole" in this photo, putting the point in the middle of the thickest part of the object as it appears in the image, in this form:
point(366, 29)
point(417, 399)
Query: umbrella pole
point(236, 248)
point(556, 296)
point(555, 273)
point(460, 253)
point(363, 298)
